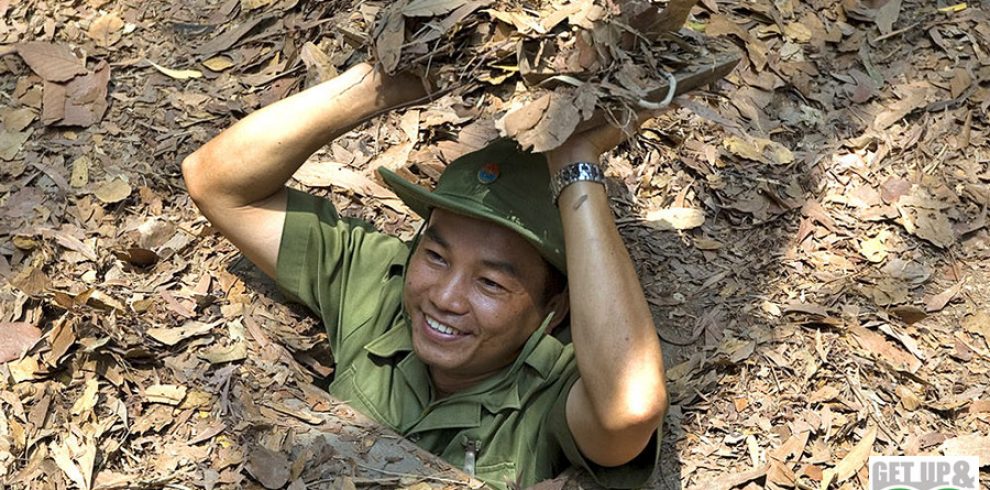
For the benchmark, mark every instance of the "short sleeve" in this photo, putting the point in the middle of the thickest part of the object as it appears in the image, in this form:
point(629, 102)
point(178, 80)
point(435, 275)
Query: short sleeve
point(341, 269)
point(633, 474)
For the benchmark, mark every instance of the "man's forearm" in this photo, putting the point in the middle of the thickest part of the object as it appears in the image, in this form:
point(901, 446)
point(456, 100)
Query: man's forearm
point(253, 159)
point(615, 340)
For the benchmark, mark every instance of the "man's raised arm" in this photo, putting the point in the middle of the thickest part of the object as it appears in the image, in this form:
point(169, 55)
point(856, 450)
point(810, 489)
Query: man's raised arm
point(621, 398)
point(238, 178)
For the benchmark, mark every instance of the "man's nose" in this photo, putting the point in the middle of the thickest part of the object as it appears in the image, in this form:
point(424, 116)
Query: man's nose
point(448, 294)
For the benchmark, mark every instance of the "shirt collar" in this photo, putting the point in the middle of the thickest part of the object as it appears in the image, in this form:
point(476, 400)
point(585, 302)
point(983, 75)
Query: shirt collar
point(540, 353)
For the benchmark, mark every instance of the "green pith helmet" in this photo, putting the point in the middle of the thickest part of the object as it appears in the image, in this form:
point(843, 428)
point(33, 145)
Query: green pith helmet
point(499, 183)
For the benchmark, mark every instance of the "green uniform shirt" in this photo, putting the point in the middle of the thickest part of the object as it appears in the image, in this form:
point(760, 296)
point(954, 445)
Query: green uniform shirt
point(352, 277)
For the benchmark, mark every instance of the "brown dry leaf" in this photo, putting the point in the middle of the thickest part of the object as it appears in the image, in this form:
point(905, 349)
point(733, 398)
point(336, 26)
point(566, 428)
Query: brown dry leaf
point(229, 37)
point(219, 63)
point(887, 15)
point(909, 271)
point(780, 474)
point(864, 89)
point(52, 62)
point(524, 117)
point(905, 340)
point(744, 147)
point(874, 344)
point(16, 338)
point(176, 74)
point(979, 406)
point(909, 400)
point(24, 369)
point(675, 218)
point(80, 172)
point(909, 314)
point(940, 300)
point(555, 484)
point(969, 445)
point(824, 394)
point(113, 191)
point(67, 240)
point(388, 45)
point(106, 30)
point(797, 32)
point(248, 5)
point(271, 469)
point(914, 96)
point(707, 244)
point(853, 461)
point(315, 174)
point(931, 225)
point(165, 393)
point(219, 355)
point(140, 257)
point(173, 335)
point(317, 61)
point(429, 8)
point(886, 292)
point(18, 119)
point(11, 143)
point(961, 80)
point(67, 453)
point(979, 323)
point(671, 19)
point(556, 122)
point(80, 102)
point(87, 400)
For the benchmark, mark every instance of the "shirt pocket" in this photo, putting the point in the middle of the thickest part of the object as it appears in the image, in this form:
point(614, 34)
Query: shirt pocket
point(496, 474)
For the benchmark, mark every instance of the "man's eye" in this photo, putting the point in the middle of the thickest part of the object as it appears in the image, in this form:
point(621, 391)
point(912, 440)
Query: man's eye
point(491, 285)
point(434, 257)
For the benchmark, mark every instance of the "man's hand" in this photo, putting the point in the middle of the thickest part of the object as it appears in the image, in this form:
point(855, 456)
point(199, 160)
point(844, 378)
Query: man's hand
point(589, 145)
point(615, 407)
point(238, 178)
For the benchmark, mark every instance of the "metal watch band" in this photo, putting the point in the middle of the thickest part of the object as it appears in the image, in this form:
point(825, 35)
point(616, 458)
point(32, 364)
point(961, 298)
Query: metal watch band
point(575, 172)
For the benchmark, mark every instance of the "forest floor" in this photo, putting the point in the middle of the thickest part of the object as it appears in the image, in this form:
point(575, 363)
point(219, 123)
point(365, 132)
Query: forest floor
point(821, 297)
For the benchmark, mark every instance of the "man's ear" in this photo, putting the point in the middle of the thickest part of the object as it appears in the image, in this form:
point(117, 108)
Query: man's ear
point(560, 305)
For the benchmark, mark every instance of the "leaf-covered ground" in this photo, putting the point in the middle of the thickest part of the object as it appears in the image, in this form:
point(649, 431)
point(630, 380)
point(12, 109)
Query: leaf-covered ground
point(811, 234)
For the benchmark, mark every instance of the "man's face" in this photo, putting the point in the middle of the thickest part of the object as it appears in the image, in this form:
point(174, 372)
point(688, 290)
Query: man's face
point(474, 292)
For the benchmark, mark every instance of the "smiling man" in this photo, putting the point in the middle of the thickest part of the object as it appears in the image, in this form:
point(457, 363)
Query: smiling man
point(455, 340)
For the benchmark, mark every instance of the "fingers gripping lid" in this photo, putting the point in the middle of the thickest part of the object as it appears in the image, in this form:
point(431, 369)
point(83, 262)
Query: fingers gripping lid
point(499, 183)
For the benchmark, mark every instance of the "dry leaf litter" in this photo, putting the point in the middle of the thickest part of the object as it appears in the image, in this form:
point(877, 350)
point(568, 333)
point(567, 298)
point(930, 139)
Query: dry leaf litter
point(811, 233)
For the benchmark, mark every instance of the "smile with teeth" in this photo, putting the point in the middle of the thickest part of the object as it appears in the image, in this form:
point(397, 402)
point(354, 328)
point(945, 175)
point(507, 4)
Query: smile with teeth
point(439, 327)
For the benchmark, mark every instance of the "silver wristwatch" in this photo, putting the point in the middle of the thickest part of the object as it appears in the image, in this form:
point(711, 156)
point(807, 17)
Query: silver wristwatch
point(575, 172)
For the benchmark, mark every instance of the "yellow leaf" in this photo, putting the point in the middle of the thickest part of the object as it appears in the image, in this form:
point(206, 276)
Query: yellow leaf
point(218, 63)
point(951, 9)
point(779, 153)
point(875, 249)
point(176, 74)
point(744, 148)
